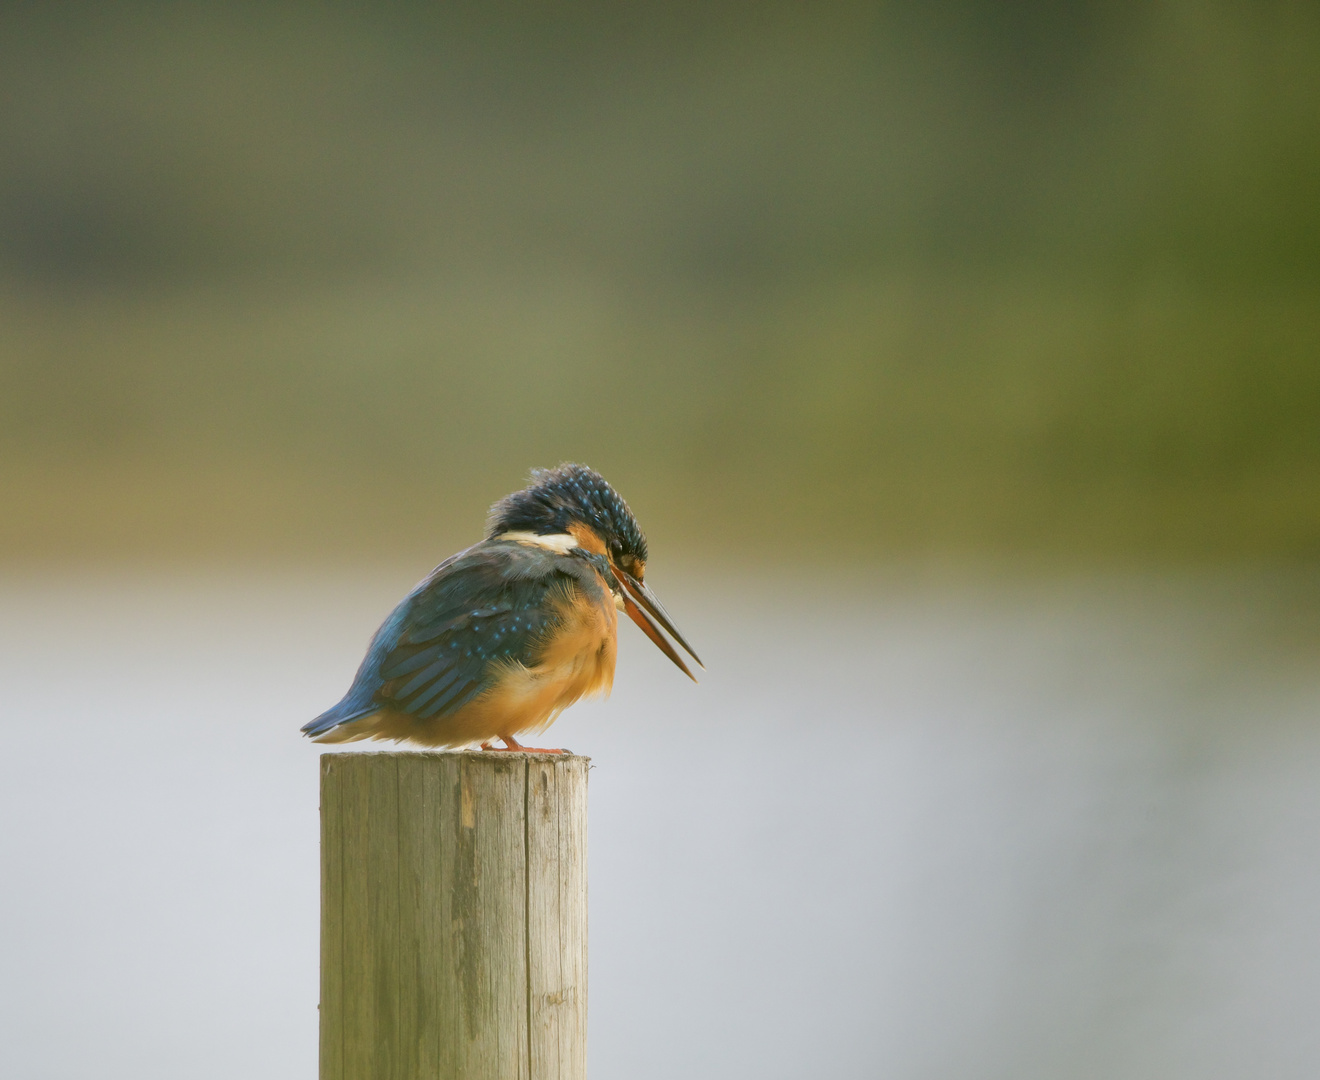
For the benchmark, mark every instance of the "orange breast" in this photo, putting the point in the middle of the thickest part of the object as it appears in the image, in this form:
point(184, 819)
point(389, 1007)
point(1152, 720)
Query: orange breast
point(575, 662)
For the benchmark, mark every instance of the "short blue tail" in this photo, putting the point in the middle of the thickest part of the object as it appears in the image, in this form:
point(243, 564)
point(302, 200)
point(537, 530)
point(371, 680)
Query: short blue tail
point(348, 709)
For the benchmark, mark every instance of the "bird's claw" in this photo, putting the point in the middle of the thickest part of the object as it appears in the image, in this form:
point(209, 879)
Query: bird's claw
point(511, 744)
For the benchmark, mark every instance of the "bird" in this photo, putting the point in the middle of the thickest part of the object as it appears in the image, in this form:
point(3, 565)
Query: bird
point(500, 638)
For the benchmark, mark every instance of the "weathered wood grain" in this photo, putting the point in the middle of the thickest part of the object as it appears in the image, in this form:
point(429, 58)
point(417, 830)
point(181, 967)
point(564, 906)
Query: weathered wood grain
point(453, 916)
point(332, 928)
point(557, 918)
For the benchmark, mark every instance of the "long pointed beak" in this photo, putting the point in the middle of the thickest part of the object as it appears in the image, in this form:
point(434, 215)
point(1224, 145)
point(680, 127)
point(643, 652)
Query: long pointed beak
point(647, 612)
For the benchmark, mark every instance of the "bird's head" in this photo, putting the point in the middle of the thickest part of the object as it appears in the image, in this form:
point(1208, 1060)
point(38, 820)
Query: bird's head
point(573, 509)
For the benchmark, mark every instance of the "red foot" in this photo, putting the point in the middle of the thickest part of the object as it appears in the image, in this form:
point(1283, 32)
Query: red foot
point(510, 743)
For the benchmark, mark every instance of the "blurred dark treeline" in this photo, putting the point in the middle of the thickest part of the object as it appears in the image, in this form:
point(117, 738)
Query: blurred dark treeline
point(962, 278)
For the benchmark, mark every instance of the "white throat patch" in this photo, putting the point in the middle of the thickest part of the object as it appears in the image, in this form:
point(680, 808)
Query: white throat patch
point(560, 543)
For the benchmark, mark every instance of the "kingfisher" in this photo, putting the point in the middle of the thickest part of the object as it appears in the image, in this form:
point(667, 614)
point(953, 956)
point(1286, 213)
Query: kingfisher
point(501, 638)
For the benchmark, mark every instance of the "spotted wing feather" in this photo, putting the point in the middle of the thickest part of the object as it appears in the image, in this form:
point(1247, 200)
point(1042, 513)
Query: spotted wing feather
point(497, 601)
point(448, 667)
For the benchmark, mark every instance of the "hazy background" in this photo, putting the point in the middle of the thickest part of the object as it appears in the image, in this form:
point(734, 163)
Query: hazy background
point(303, 279)
point(962, 362)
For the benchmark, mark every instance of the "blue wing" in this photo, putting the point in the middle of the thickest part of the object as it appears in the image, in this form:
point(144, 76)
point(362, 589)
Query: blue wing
point(495, 601)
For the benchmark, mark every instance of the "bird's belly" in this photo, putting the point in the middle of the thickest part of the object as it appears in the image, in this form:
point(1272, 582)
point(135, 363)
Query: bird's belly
point(577, 662)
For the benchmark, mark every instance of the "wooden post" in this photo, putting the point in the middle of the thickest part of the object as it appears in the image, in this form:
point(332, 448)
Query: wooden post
point(453, 916)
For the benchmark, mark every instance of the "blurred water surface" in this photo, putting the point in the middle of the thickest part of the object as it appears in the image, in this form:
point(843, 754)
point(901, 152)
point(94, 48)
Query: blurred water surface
point(901, 829)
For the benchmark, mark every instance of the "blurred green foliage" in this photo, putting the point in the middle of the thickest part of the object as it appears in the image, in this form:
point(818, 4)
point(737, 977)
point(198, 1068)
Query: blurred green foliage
point(964, 279)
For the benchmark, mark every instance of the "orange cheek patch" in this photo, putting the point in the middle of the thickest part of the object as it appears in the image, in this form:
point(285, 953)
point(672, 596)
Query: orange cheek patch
point(587, 538)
